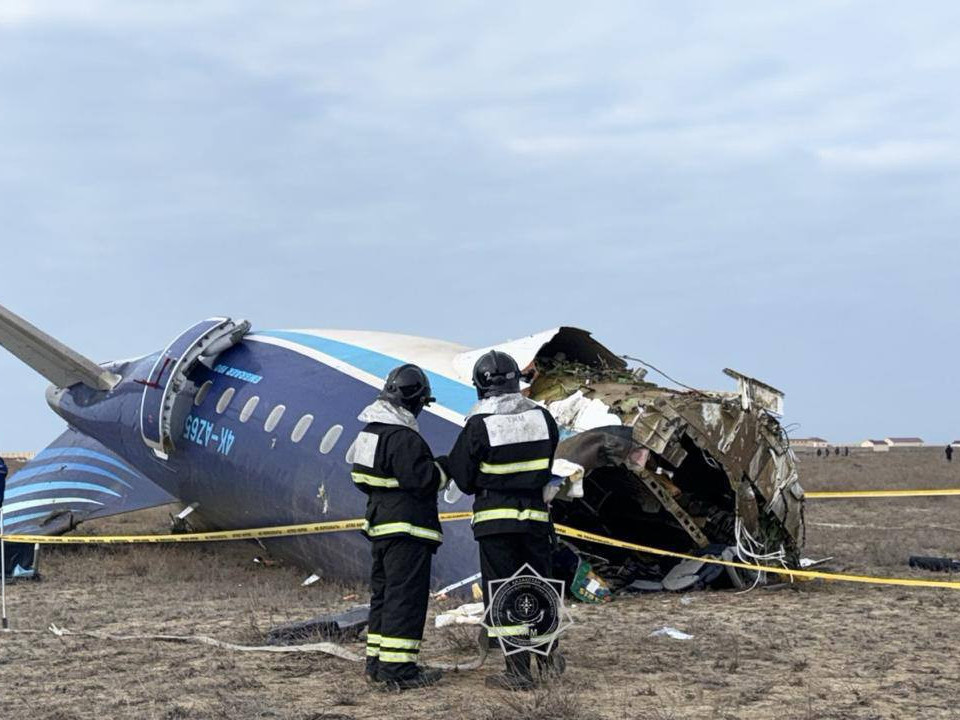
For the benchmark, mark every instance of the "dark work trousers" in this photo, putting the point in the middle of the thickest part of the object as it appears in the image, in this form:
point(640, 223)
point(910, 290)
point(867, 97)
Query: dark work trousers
point(500, 557)
point(399, 591)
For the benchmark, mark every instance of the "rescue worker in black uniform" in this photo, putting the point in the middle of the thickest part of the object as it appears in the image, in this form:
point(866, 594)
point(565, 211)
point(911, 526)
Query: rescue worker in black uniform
point(393, 465)
point(503, 457)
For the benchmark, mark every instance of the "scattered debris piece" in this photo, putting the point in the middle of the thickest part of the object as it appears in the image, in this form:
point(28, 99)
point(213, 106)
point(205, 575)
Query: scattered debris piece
point(671, 632)
point(589, 587)
point(937, 564)
point(442, 593)
point(643, 586)
point(691, 575)
point(338, 627)
point(468, 614)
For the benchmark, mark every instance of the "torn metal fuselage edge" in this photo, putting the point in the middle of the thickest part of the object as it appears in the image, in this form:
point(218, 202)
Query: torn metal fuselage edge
point(684, 470)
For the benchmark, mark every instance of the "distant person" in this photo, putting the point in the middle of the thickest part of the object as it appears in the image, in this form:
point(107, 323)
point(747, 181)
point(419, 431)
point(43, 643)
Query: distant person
point(836, 451)
point(819, 452)
point(3, 489)
point(949, 453)
point(18, 558)
point(846, 451)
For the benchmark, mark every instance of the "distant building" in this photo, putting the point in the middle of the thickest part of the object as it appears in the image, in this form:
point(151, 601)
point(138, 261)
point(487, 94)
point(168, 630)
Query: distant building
point(875, 445)
point(21, 456)
point(811, 442)
point(956, 443)
point(16, 460)
point(904, 442)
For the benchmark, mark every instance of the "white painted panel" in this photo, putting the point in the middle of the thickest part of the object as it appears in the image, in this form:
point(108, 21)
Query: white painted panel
point(528, 426)
point(365, 448)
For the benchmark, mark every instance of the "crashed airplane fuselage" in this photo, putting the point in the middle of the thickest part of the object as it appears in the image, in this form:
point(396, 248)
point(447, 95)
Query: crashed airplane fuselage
point(252, 429)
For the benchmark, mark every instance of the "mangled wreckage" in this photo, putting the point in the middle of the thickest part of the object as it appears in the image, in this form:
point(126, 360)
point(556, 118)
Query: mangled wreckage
point(704, 473)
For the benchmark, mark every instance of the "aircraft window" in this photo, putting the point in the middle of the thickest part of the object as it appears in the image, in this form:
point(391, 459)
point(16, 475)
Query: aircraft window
point(330, 438)
point(202, 393)
point(248, 408)
point(351, 451)
point(301, 428)
point(225, 399)
point(273, 418)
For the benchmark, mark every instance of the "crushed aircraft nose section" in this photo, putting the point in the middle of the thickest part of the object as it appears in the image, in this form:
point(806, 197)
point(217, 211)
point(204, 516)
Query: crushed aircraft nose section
point(684, 470)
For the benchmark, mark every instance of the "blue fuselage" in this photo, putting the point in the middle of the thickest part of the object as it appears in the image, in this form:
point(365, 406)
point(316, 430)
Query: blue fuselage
point(265, 466)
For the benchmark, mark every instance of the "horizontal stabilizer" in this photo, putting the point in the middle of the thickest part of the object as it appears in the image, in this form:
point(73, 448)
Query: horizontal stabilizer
point(58, 363)
point(74, 480)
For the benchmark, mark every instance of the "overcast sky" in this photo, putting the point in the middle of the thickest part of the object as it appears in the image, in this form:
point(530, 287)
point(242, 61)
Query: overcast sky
point(773, 187)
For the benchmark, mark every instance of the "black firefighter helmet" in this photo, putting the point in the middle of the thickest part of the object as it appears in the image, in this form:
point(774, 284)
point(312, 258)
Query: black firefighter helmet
point(496, 373)
point(409, 387)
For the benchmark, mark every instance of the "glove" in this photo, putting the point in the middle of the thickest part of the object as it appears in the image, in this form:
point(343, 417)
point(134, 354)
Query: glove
point(551, 489)
point(452, 494)
point(444, 479)
point(569, 475)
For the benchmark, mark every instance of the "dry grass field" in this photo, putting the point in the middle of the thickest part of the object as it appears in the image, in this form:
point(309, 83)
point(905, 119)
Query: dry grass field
point(813, 650)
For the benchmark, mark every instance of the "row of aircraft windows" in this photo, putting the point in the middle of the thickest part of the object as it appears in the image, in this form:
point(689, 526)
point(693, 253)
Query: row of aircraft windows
point(327, 443)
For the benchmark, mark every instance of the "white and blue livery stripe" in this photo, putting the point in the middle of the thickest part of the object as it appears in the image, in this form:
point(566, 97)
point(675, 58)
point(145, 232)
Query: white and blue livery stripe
point(11, 521)
point(29, 472)
point(84, 453)
point(38, 487)
point(43, 502)
point(455, 399)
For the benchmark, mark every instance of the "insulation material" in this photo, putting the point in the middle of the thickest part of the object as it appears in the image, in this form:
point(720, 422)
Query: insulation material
point(468, 614)
point(579, 413)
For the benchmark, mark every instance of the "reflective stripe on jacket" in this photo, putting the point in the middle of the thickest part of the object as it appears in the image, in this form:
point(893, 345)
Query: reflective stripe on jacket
point(503, 457)
point(393, 465)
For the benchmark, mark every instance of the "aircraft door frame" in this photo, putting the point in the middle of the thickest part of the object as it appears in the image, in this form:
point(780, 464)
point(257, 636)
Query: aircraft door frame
point(200, 342)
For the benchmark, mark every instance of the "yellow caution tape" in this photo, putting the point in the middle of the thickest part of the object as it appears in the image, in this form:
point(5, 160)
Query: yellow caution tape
point(214, 536)
point(810, 574)
point(842, 494)
point(252, 534)
point(356, 524)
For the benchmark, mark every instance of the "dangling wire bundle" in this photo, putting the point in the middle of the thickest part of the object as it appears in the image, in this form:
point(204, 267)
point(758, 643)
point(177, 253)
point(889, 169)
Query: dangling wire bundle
point(750, 551)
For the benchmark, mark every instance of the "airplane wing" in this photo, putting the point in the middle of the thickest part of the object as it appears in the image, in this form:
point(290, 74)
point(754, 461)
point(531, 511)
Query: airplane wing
point(58, 363)
point(75, 479)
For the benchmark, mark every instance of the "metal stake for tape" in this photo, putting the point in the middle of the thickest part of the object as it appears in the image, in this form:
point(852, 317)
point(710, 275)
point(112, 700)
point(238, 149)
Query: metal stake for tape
point(3, 574)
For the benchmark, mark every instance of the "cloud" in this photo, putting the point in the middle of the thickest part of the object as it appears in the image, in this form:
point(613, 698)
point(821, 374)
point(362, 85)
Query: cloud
point(295, 156)
point(37, 12)
point(891, 156)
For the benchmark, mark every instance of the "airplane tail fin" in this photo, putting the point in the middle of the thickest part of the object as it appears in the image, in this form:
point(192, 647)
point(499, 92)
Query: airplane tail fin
point(58, 363)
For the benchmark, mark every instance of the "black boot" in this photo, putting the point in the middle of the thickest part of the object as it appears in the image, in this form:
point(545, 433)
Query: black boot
point(372, 671)
point(517, 675)
point(422, 677)
point(551, 666)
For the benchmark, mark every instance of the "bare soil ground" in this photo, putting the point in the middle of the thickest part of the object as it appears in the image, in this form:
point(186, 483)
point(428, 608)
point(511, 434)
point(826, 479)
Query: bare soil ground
point(813, 650)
